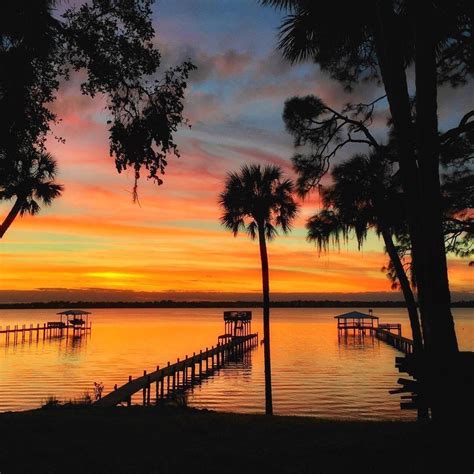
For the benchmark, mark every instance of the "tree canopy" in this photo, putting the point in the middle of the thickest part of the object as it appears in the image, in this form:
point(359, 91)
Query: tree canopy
point(344, 37)
point(258, 197)
point(111, 41)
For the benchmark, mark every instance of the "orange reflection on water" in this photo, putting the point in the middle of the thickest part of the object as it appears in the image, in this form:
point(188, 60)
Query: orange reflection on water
point(314, 373)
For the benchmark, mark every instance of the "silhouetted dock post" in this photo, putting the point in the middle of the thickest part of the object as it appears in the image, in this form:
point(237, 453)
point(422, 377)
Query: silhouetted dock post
point(162, 388)
point(144, 389)
point(185, 369)
point(193, 369)
point(129, 399)
point(148, 394)
point(157, 385)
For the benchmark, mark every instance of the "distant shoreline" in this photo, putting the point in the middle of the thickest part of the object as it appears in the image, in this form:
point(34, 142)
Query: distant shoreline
point(217, 304)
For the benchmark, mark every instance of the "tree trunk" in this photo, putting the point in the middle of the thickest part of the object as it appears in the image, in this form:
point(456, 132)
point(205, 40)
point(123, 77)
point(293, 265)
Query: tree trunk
point(392, 66)
point(266, 319)
point(406, 290)
point(438, 299)
point(11, 216)
point(392, 69)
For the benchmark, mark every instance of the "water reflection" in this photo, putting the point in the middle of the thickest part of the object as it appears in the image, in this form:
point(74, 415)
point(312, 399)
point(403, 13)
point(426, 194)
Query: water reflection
point(357, 341)
point(71, 345)
point(314, 372)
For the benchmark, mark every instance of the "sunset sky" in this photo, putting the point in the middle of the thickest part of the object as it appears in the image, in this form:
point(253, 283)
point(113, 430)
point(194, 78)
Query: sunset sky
point(96, 237)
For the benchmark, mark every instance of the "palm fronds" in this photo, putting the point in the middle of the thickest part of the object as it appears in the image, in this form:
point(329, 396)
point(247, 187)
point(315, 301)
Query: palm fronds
point(258, 199)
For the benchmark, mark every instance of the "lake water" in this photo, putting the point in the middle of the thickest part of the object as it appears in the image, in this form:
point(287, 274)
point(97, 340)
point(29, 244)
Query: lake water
point(314, 374)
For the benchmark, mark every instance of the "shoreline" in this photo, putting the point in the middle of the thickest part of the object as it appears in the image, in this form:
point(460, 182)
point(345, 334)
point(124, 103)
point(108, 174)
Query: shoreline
point(218, 304)
point(179, 440)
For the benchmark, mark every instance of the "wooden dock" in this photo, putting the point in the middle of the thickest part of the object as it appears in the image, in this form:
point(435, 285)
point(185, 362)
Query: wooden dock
point(360, 324)
point(73, 321)
point(445, 385)
point(397, 341)
point(17, 334)
point(183, 374)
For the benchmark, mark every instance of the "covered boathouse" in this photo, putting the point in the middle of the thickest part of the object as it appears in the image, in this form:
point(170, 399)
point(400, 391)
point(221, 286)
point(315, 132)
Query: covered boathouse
point(76, 319)
point(237, 324)
point(357, 322)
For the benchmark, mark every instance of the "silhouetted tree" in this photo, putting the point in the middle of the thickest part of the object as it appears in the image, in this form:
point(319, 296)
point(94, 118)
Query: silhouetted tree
point(365, 196)
point(379, 39)
point(258, 200)
point(321, 131)
point(31, 183)
point(457, 159)
point(111, 42)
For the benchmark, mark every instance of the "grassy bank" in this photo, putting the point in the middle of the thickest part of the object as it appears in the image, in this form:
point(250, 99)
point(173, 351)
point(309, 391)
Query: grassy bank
point(169, 440)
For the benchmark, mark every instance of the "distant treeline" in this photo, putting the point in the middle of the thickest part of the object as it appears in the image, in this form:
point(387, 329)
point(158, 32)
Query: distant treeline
point(216, 304)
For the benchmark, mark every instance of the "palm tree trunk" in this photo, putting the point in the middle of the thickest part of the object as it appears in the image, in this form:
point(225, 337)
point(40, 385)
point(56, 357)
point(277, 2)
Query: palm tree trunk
point(266, 319)
point(438, 302)
point(392, 68)
point(429, 267)
point(406, 290)
point(11, 216)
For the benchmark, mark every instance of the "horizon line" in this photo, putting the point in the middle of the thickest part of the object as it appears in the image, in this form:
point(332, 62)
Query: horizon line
point(167, 303)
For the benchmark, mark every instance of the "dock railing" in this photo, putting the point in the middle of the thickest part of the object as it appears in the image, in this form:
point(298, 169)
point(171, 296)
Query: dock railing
point(397, 341)
point(179, 376)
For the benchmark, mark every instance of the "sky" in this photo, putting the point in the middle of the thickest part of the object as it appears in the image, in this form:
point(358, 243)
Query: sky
point(95, 240)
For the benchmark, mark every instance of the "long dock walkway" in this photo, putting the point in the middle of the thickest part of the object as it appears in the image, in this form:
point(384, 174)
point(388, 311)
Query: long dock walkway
point(397, 341)
point(17, 333)
point(181, 375)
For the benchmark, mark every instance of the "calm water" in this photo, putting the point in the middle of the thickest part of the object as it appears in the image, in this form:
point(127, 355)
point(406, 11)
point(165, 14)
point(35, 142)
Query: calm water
point(313, 374)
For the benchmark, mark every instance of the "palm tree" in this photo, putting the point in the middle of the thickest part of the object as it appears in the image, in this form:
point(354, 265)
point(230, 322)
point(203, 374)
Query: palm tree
point(364, 197)
point(258, 200)
point(30, 183)
point(380, 39)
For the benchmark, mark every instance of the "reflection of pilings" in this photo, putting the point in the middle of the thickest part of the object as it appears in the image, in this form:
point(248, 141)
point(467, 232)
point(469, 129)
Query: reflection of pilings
point(183, 374)
point(21, 334)
point(383, 333)
point(357, 339)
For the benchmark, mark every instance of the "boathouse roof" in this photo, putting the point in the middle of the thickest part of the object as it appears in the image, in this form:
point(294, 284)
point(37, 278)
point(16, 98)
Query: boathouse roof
point(74, 312)
point(237, 315)
point(355, 315)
